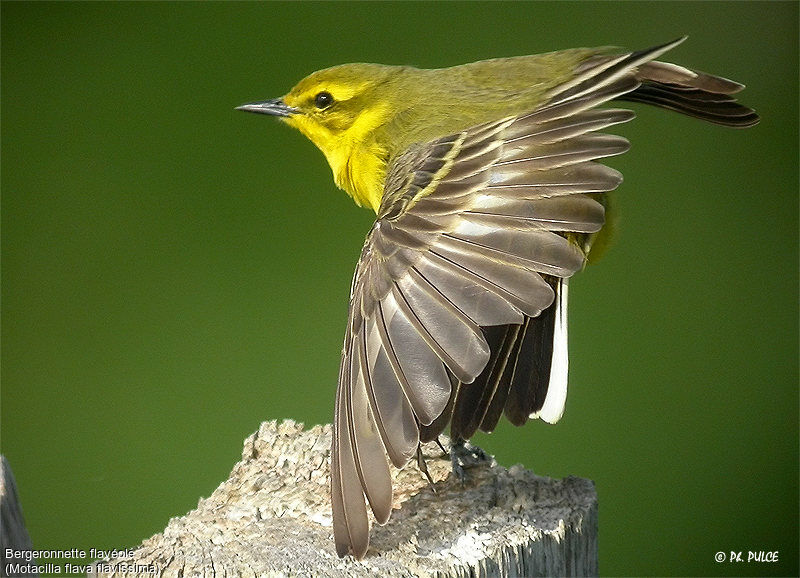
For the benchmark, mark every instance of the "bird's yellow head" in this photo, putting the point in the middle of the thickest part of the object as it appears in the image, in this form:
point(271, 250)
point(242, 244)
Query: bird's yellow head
point(340, 109)
point(340, 103)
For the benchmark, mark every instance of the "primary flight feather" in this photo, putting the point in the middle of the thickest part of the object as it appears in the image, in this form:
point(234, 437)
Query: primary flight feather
point(488, 198)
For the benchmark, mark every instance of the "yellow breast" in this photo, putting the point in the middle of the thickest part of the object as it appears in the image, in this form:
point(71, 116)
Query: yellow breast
point(360, 172)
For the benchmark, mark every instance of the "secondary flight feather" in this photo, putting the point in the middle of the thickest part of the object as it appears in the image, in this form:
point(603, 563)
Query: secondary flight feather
point(488, 195)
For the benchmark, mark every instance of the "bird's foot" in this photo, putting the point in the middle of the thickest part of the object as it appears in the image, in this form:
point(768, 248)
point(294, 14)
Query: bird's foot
point(465, 456)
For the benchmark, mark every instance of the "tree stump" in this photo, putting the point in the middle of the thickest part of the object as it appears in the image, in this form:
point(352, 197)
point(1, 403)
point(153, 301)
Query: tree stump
point(13, 534)
point(272, 518)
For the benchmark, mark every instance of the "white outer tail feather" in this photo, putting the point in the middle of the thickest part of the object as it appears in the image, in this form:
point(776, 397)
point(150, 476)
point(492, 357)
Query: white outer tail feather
point(556, 398)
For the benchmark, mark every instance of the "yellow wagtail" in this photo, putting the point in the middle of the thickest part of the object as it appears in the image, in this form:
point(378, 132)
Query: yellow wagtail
point(488, 198)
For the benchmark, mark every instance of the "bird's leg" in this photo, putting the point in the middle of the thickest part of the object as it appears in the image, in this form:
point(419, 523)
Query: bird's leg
point(464, 456)
point(444, 449)
point(424, 467)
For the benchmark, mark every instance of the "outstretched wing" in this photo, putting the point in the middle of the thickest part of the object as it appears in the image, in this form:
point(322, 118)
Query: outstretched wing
point(468, 225)
point(475, 237)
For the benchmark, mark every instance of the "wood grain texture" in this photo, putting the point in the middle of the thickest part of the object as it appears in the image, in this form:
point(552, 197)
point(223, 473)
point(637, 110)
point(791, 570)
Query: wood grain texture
point(13, 534)
point(272, 517)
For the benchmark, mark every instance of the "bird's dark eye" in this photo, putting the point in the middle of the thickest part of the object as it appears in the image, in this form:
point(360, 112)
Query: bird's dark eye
point(323, 99)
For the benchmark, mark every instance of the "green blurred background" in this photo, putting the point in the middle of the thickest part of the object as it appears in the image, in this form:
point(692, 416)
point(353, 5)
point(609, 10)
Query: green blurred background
point(175, 272)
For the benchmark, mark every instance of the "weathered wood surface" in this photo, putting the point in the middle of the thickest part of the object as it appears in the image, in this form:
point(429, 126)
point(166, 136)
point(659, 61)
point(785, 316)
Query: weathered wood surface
point(13, 534)
point(272, 518)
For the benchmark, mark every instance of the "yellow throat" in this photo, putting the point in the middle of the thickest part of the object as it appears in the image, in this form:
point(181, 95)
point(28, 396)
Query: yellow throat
point(357, 160)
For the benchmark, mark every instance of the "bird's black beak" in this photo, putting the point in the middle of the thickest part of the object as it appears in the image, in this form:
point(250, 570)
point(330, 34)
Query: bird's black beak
point(275, 107)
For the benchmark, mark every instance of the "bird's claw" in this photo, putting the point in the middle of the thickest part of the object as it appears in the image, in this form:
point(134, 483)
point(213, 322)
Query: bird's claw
point(465, 456)
point(423, 467)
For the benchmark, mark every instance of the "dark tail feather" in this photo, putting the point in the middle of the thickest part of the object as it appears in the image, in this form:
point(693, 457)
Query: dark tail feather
point(517, 379)
point(474, 399)
point(531, 368)
point(692, 93)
